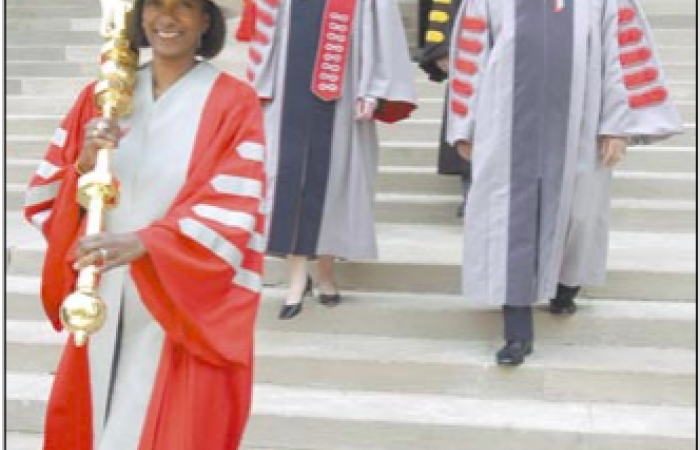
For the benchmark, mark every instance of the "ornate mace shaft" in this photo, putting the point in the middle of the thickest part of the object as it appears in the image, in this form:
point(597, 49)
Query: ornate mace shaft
point(83, 312)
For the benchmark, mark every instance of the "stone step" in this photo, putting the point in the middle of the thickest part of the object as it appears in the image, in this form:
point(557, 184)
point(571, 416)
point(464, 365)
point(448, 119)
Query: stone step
point(412, 130)
point(626, 214)
point(34, 441)
point(615, 374)
point(642, 265)
point(424, 180)
point(657, 159)
point(429, 108)
point(340, 419)
point(87, 33)
point(644, 215)
point(234, 53)
point(608, 322)
point(30, 11)
point(676, 72)
point(34, 86)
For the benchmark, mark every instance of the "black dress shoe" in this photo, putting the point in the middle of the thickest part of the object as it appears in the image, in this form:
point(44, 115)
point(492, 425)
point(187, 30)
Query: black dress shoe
point(460, 211)
point(329, 300)
point(563, 304)
point(514, 353)
point(290, 311)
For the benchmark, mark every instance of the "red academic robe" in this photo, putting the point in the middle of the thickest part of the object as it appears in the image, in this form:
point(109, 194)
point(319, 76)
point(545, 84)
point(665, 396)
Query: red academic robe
point(202, 394)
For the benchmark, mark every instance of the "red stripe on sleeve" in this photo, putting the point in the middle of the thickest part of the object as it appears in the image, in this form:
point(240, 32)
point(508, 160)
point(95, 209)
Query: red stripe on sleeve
point(629, 37)
point(626, 15)
point(642, 77)
point(466, 66)
point(459, 108)
point(471, 45)
point(475, 24)
point(462, 87)
point(636, 56)
point(254, 55)
point(649, 98)
point(265, 18)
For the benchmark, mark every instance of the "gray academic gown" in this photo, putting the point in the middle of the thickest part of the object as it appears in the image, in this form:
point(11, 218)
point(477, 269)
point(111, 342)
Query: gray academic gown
point(321, 162)
point(552, 76)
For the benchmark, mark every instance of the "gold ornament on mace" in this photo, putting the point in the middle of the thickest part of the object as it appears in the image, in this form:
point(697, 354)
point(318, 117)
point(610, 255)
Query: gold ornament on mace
point(83, 312)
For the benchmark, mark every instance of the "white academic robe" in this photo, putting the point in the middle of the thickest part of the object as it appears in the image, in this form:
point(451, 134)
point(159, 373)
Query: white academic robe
point(151, 165)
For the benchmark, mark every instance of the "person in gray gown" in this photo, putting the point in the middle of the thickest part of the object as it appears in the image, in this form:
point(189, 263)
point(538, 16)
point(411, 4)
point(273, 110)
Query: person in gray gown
point(326, 71)
point(544, 98)
point(438, 17)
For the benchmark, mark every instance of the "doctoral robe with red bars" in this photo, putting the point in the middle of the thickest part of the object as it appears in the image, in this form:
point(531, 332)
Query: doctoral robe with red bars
point(172, 367)
point(534, 84)
point(311, 61)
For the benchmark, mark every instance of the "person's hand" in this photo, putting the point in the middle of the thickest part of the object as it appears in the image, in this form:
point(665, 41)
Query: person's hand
point(612, 148)
point(364, 108)
point(444, 64)
point(108, 250)
point(99, 133)
point(464, 149)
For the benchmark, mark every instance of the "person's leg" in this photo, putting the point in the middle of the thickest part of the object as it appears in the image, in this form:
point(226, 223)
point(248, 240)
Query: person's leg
point(299, 286)
point(563, 303)
point(466, 178)
point(518, 327)
point(328, 291)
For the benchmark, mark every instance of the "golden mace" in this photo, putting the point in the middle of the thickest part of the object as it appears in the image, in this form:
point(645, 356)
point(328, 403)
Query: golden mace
point(83, 312)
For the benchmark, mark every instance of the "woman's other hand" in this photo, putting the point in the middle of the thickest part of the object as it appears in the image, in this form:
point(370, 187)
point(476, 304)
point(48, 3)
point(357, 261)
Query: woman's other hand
point(464, 149)
point(365, 107)
point(612, 149)
point(99, 133)
point(108, 250)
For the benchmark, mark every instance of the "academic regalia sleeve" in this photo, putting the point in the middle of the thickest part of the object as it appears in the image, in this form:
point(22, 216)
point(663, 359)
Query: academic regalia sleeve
point(437, 37)
point(636, 102)
point(386, 72)
point(469, 55)
point(263, 48)
point(201, 278)
point(50, 204)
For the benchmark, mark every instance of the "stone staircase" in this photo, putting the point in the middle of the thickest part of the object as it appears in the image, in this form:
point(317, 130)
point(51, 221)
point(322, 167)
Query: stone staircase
point(404, 363)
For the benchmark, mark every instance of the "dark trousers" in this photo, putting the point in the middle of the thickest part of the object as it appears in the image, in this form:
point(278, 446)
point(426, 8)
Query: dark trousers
point(518, 323)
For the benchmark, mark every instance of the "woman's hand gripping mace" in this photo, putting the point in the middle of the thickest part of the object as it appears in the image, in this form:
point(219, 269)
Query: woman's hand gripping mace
point(83, 312)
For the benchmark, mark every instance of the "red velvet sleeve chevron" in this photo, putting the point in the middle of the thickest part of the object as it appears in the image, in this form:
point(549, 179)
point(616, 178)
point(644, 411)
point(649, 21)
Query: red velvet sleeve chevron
point(470, 45)
point(265, 19)
point(641, 76)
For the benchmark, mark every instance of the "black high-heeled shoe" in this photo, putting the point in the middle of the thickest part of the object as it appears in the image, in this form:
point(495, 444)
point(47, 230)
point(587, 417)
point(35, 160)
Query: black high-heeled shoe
point(329, 300)
point(290, 311)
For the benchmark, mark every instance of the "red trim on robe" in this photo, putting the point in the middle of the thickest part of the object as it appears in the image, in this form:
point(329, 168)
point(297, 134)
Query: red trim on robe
point(629, 37)
point(459, 108)
point(208, 321)
point(466, 66)
point(651, 97)
point(470, 45)
point(254, 55)
point(462, 87)
point(265, 18)
point(644, 76)
point(626, 15)
point(635, 57)
point(392, 111)
point(261, 38)
point(474, 24)
point(246, 27)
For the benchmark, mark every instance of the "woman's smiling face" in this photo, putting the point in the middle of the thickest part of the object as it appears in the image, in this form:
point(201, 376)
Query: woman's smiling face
point(174, 28)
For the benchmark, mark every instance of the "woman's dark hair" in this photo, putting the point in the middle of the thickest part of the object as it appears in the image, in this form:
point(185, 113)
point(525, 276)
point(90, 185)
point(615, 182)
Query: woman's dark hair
point(212, 40)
